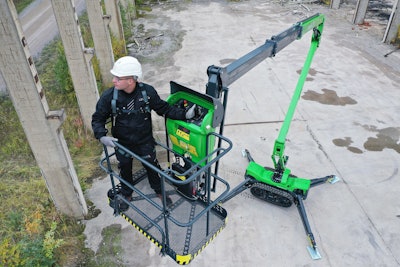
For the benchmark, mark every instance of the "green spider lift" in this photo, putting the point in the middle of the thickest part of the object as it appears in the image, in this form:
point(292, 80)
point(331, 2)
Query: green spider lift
point(275, 185)
point(194, 149)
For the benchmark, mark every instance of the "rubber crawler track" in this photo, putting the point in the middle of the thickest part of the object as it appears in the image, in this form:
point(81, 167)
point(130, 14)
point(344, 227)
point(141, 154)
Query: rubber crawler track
point(272, 194)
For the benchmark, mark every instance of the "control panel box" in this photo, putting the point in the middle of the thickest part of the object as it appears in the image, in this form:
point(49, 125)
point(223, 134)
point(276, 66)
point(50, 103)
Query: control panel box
point(192, 137)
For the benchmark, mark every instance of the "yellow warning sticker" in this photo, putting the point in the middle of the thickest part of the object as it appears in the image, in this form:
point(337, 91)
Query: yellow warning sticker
point(184, 133)
point(192, 150)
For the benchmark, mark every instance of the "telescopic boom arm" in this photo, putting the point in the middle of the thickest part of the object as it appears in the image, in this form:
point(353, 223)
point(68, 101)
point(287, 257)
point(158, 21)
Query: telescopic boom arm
point(220, 78)
point(317, 25)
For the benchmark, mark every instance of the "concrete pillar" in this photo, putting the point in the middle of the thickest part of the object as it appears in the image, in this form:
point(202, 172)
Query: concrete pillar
point(101, 38)
point(361, 10)
point(41, 126)
point(79, 65)
point(129, 5)
point(116, 28)
point(130, 10)
point(335, 4)
point(393, 24)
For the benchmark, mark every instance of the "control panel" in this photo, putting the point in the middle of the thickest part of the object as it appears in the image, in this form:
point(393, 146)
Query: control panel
point(191, 138)
point(199, 111)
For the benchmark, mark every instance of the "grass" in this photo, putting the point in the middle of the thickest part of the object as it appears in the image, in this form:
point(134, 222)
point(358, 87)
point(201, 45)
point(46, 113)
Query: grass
point(109, 252)
point(21, 4)
point(33, 232)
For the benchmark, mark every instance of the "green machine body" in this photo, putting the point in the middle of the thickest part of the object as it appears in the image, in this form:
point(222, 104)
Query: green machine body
point(193, 138)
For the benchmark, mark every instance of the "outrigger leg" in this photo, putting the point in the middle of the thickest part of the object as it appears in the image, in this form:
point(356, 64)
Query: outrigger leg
point(274, 194)
point(298, 200)
point(312, 249)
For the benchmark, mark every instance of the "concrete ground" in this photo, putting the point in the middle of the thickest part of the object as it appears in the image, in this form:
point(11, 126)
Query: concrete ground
point(346, 123)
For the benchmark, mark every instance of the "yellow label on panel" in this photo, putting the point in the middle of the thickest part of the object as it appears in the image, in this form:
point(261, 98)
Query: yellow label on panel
point(183, 134)
point(174, 140)
point(192, 150)
point(183, 145)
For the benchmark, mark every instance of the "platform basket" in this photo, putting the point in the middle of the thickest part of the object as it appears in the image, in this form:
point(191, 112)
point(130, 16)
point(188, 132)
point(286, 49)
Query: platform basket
point(173, 230)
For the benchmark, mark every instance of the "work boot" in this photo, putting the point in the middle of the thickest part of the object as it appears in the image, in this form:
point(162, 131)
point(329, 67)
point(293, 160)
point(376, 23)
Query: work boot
point(123, 206)
point(167, 198)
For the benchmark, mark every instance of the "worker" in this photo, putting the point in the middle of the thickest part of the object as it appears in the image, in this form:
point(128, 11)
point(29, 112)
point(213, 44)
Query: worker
point(128, 103)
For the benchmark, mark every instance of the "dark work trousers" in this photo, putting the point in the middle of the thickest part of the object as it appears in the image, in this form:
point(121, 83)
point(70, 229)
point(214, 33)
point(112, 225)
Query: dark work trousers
point(148, 152)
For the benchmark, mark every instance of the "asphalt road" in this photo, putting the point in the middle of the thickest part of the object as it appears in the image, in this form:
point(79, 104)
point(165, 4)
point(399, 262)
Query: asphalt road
point(39, 26)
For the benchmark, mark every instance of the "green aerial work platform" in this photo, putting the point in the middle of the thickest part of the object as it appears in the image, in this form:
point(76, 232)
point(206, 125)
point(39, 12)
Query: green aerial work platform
point(194, 149)
point(181, 230)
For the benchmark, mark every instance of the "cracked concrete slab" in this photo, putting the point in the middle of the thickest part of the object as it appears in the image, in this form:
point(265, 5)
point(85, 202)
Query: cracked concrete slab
point(349, 101)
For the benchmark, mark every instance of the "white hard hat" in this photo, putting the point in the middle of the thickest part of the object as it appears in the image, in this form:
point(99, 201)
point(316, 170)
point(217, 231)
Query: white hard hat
point(127, 66)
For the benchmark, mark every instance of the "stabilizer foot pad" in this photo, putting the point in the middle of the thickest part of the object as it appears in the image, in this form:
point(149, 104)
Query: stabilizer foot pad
point(334, 179)
point(314, 253)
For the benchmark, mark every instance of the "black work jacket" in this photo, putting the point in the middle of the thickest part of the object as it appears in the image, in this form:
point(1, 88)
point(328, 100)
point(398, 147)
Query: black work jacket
point(135, 127)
